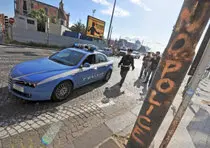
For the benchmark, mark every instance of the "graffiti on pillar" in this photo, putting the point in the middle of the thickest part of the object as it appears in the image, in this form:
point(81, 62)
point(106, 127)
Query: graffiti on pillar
point(171, 71)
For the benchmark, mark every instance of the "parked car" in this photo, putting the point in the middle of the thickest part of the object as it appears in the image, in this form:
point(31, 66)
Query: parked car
point(106, 51)
point(136, 54)
point(56, 76)
point(122, 52)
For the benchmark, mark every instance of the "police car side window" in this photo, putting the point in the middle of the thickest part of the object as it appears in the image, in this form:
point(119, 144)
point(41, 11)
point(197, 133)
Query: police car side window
point(90, 59)
point(100, 58)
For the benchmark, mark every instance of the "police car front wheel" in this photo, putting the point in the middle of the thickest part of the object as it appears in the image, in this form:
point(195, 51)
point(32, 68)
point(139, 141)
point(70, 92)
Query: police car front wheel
point(108, 76)
point(62, 91)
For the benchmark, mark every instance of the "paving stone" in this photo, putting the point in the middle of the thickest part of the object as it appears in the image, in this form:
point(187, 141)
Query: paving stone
point(41, 123)
point(62, 134)
point(3, 133)
point(76, 134)
point(91, 138)
point(1, 146)
point(109, 144)
point(30, 121)
point(74, 129)
point(6, 142)
point(121, 122)
point(69, 137)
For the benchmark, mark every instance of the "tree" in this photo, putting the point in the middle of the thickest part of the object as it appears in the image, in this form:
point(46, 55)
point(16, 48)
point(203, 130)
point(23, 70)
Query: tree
point(78, 27)
point(41, 17)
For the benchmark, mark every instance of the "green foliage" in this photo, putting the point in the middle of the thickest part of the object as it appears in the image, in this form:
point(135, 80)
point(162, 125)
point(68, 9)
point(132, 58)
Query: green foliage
point(41, 17)
point(78, 27)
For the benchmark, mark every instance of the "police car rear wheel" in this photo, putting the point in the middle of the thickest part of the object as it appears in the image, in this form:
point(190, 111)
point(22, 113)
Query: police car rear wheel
point(108, 76)
point(62, 91)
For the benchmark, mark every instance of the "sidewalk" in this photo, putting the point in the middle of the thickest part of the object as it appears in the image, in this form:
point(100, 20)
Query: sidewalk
point(193, 131)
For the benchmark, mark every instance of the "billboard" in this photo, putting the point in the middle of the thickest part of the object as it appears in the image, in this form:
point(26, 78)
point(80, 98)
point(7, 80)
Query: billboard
point(95, 27)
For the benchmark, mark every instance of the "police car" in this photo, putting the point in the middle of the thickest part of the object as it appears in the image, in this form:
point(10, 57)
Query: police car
point(56, 76)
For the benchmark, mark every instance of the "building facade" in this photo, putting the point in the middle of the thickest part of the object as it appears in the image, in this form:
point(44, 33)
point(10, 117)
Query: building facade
point(57, 15)
point(1, 23)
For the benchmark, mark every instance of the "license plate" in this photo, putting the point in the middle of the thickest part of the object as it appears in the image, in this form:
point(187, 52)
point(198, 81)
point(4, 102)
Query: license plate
point(18, 88)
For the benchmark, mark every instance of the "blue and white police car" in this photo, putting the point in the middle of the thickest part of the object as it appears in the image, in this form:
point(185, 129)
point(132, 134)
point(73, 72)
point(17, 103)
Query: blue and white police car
point(55, 77)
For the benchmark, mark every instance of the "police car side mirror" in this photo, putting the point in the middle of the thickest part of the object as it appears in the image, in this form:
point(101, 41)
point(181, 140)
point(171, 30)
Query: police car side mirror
point(86, 65)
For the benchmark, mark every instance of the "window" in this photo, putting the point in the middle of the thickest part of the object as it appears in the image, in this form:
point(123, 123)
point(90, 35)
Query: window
point(67, 57)
point(100, 58)
point(90, 59)
point(24, 7)
point(46, 10)
point(32, 5)
point(30, 22)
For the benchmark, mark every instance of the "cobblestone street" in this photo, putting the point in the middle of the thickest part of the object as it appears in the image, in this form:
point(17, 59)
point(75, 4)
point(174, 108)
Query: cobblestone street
point(23, 124)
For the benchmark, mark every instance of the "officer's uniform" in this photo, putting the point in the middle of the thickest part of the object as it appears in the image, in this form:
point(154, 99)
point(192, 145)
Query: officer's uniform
point(125, 64)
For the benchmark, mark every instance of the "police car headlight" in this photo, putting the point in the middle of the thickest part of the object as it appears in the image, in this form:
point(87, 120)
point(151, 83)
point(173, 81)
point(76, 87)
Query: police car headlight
point(33, 85)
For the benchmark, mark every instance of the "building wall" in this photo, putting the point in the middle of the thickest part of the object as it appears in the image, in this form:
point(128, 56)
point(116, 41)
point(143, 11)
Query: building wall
point(51, 11)
point(19, 7)
point(27, 36)
point(25, 23)
point(54, 29)
point(63, 29)
point(1, 22)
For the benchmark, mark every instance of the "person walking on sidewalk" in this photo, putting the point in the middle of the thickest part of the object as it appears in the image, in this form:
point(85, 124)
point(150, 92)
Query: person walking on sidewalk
point(153, 67)
point(125, 64)
point(146, 61)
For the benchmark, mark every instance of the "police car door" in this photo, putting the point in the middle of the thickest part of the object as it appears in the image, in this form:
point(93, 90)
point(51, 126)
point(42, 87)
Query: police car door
point(101, 66)
point(87, 74)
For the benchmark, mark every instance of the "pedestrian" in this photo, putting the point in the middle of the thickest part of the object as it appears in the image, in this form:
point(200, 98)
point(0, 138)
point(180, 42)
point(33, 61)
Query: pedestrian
point(125, 63)
point(153, 67)
point(146, 61)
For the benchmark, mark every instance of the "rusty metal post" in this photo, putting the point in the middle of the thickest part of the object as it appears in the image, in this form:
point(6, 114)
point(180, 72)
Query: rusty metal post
point(171, 71)
point(194, 82)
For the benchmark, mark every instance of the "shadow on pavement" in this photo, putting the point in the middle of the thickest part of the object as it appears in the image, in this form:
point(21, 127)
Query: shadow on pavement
point(113, 92)
point(200, 124)
point(15, 110)
point(138, 83)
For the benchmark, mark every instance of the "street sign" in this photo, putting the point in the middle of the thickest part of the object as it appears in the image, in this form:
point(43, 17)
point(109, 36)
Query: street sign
point(11, 20)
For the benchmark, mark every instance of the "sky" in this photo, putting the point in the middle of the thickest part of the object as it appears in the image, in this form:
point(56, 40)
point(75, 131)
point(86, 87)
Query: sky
point(150, 21)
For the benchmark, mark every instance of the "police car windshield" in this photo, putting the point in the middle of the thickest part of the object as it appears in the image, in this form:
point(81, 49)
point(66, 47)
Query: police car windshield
point(67, 57)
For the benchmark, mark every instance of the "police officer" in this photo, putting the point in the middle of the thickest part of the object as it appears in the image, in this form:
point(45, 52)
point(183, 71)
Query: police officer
point(153, 67)
point(125, 64)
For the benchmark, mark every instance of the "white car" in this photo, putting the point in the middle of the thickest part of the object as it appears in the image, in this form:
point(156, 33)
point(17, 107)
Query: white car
point(136, 55)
